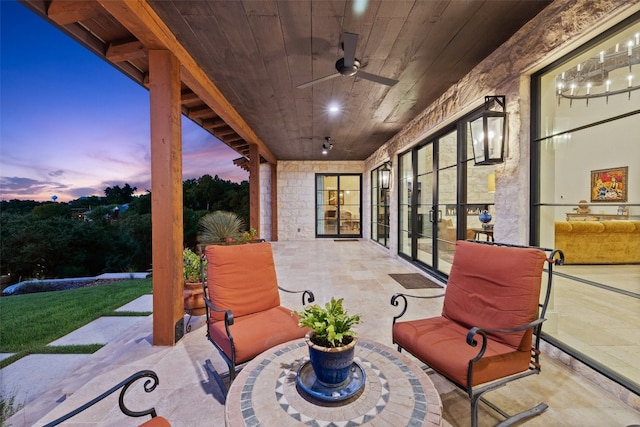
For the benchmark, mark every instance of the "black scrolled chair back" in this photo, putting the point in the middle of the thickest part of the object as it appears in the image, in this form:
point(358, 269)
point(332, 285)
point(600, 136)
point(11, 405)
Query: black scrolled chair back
point(149, 385)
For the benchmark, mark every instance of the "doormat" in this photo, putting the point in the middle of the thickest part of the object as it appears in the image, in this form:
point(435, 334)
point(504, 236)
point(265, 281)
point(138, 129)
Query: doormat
point(345, 240)
point(414, 281)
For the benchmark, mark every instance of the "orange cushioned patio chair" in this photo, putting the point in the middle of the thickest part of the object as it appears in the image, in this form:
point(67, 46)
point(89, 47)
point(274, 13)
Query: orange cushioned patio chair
point(492, 298)
point(149, 386)
point(244, 315)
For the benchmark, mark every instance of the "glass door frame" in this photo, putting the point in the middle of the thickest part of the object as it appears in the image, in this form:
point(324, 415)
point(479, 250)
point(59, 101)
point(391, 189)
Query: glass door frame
point(432, 211)
point(338, 204)
point(464, 160)
point(380, 208)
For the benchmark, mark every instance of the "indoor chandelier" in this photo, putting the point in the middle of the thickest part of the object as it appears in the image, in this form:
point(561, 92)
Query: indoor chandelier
point(608, 73)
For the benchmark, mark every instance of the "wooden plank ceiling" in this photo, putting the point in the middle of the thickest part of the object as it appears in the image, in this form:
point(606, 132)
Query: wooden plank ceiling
point(256, 52)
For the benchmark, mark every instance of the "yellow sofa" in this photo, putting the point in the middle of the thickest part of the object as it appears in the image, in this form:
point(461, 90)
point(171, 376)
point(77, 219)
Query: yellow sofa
point(598, 242)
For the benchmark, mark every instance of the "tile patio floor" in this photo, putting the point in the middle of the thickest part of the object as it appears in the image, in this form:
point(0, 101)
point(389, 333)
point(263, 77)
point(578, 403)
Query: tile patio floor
point(188, 396)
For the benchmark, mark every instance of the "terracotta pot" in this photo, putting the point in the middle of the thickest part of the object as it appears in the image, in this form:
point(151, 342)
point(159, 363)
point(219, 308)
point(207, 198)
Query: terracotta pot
point(331, 364)
point(193, 301)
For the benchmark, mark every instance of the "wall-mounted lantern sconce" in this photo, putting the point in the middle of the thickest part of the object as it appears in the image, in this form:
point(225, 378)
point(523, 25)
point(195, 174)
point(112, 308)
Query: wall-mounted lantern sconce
point(384, 175)
point(489, 132)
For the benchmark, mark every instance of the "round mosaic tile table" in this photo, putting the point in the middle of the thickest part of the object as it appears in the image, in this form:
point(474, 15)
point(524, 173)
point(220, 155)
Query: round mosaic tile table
point(396, 392)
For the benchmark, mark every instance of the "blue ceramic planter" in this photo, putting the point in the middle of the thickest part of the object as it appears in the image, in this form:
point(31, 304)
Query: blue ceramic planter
point(331, 365)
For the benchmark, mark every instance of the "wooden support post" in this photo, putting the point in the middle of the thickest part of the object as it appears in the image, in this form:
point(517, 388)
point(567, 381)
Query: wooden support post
point(254, 186)
point(166, 197)
point(274, 202)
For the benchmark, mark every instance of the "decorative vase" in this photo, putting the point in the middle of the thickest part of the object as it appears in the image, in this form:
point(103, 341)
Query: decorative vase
point(331, 364)
point(484, 217)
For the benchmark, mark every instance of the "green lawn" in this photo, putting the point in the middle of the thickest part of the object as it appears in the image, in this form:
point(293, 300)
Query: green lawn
point(29, 322)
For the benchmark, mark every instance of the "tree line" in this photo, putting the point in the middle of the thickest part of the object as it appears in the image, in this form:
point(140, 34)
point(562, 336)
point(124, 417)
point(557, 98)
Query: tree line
point(93, 235)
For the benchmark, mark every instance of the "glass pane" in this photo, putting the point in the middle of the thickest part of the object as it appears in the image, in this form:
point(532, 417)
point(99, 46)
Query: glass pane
point(469, 154)
point(349, 203)
point(325, 202)
point(424, 204)
point(447, 199)
point(375, 208)
point(405, 189)
point(476, 135)
point(448, 150)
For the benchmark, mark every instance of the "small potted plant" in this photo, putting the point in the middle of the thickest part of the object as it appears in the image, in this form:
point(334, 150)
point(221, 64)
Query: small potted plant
point(331, 341)
point(193, 301)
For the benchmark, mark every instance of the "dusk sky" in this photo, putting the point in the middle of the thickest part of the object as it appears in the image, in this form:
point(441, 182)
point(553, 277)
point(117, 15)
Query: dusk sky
point(72, 125)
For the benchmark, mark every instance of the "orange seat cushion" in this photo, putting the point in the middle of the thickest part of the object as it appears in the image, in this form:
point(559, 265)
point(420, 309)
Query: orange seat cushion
point(441, 344)
point(494, 287)
point(156, 422)
point(242, 278)
point(257, 332)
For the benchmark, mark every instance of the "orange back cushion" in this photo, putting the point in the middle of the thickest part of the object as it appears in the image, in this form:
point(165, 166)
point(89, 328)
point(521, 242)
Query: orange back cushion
point(242, 278)
point(494, 287)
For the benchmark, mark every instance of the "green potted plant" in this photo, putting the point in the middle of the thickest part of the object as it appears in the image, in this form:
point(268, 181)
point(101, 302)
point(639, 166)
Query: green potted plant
point(193, 301)
point(219, 228)
point(331, 340)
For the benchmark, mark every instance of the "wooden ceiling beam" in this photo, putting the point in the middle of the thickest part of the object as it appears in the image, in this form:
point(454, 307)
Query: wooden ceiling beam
point(121, 52)
point(189, 98)
point(234, 139)
point(213, 124)
point(225, 132)
point(201, 112)
point(143, 22)
point(65, 12)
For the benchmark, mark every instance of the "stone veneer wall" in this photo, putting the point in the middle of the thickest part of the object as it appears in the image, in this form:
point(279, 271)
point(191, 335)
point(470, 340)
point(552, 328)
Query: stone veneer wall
point(562, 27)
point(296, 195)
point(265, 201)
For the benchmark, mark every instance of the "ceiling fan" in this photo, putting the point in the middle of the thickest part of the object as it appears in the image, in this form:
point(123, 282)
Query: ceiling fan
point(350, 65)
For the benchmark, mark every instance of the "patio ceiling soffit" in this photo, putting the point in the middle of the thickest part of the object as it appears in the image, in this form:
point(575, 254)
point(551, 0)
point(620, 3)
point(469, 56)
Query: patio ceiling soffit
point(217, 116)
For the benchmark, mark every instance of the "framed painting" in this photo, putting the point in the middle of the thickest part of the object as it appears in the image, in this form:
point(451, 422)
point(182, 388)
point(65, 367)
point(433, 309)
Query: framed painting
point(609, 185)
point(333, 197)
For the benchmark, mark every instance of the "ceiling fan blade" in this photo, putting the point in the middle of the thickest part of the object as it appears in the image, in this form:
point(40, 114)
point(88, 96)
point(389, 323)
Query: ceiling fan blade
point(349, 44)
point(376, 78)
point(321, 79)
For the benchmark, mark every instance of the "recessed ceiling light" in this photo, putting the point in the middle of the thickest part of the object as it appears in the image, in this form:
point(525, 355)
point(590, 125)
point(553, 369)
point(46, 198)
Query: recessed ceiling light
point(359, 6)
point(334, 108)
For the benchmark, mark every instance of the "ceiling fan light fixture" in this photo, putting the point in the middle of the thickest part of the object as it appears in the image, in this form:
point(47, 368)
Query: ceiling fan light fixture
point(345, 70)
point(350, 66)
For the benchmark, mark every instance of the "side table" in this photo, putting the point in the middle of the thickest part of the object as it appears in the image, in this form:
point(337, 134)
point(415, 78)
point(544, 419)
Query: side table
point(488, 232)
point(396, 392)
